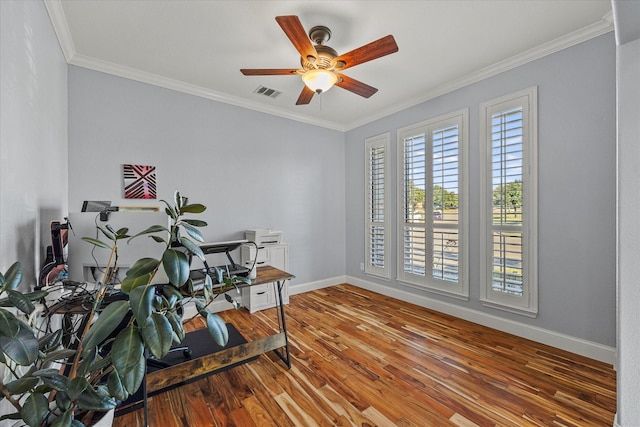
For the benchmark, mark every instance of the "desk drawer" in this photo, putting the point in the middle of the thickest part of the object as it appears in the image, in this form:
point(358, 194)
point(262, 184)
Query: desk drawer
point(261, 295)
point(258, 297)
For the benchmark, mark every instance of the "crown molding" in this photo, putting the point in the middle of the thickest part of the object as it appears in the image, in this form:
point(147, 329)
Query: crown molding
point(168, 83)
point(61, 28)
point(604, 26)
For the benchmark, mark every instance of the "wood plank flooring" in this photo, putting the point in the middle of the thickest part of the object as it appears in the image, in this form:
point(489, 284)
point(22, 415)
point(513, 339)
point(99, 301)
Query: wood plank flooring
point(363, 359)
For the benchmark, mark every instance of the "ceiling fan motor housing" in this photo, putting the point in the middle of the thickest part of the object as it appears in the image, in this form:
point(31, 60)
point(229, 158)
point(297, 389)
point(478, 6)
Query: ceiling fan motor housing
point(325, 55)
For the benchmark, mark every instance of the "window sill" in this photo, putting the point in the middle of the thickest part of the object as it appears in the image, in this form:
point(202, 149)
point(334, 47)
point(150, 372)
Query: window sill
point(523, 311)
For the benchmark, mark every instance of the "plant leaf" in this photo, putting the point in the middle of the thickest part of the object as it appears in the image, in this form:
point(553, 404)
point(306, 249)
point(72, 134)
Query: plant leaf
point(122, 233)
point(141, 267)
point(127, 350)
point(35, 409)
point(218, 329)
point(195, 222)
point(176, 265)
point(158, 239)
point(50, 341)
point(22, 348)
point(192, 247)
point(106, 323)
point(133, 283)
point(22, 385)
point(63, 420)
point(158, 335)
point(62, 400)
point(61, 354)
point(9, 324)
point(56, 382)
point(128, 357)
point(194, 208)
point(151, 230)
point(92, 400)
point(115, 386)
point(20, 301)
point(176, 324)
point(192, 231)
point(77, 386)
point(172, 295)
point(96, 242)
point(107, 233)
point(169, 210)
point(177, 199)
point(141, 300)
point(13, 276)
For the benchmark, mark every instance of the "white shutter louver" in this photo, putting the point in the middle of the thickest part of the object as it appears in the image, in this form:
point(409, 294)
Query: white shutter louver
point(377, 207)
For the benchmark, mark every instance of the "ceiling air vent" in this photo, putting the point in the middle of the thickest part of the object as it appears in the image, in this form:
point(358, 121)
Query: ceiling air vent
point(271, 93)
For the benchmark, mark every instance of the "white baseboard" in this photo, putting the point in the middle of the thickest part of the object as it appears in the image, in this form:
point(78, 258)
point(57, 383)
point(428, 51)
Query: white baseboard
point(312, 286)
point(222, 304)
point(575, 345)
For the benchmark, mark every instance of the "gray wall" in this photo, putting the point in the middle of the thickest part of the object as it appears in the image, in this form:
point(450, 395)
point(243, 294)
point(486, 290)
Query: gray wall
point(627, 16)
point(33, 134)
point(577, 186)
point(250, 169)
point(33, 138)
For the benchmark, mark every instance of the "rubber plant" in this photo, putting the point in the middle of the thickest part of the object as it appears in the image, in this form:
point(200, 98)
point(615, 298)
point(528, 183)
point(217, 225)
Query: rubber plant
point(109, 362)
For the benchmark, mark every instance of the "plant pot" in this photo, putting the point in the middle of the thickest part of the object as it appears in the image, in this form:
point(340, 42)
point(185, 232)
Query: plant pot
point(106, 420)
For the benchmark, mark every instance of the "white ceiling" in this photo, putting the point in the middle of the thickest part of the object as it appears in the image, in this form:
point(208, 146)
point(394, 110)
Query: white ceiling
point(198, 47)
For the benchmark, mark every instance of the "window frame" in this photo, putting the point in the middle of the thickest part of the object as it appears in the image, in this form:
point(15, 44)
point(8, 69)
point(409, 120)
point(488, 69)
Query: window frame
point(384, 141)
point(527, 303)
point(459, 289)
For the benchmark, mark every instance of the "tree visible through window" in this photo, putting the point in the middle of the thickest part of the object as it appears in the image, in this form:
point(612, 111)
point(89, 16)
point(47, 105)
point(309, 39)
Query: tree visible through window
point(432, 230)
point(509, 199)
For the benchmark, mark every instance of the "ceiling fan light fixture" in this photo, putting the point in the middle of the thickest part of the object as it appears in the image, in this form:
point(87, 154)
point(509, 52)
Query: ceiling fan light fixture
point(319, 80)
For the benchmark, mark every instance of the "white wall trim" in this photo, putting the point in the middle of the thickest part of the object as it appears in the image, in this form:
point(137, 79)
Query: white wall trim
point(555, 339)
point(56, 12)
point(61, 28)
point(575, 345)
point(222, 304)
point(320, 284)
point(604, 26)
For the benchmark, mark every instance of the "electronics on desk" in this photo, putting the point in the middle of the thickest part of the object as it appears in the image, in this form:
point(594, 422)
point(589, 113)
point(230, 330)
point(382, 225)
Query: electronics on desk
point(231, 269)
point(262, 236)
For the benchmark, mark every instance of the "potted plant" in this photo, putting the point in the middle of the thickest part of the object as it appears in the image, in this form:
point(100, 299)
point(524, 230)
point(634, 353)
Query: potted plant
point(109, 363)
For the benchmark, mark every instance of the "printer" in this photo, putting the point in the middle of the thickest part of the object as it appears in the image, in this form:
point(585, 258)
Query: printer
point(262, 236)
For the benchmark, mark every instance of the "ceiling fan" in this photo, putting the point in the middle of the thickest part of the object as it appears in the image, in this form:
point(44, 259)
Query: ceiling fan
point(321, 65)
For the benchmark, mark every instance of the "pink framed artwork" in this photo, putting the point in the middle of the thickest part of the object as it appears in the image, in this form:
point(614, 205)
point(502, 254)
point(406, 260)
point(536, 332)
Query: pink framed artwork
point(139, 181)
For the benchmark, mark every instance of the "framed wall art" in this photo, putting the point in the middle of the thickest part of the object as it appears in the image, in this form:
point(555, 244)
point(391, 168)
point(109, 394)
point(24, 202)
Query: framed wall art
point(139, 182)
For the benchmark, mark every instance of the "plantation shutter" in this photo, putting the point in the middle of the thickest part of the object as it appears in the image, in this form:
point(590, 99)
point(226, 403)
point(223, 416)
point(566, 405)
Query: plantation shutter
point(509, 202)
point(377, 228)
point(446, 188)
point(432, 209)
point(506, 171)
point(414, 215)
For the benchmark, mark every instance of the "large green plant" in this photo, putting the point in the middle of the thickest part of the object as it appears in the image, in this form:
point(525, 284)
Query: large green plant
point(110, 361)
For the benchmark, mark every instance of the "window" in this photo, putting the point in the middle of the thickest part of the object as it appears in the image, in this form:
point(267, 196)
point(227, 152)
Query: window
point(377, 206)
point(432, 205)
point(509, 202)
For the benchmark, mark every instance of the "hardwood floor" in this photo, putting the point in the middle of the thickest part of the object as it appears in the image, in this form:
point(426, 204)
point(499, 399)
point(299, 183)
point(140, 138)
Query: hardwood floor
point(364, 359)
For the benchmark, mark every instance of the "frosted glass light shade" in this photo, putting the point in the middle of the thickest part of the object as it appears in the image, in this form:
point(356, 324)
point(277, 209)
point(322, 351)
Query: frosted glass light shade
point(319, 80)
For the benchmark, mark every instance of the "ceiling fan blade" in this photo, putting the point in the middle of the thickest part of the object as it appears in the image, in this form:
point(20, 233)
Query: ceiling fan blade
point(295, 31)
point(269, 71)
point(355, 86)
point(305, 96)
point(368, 52)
